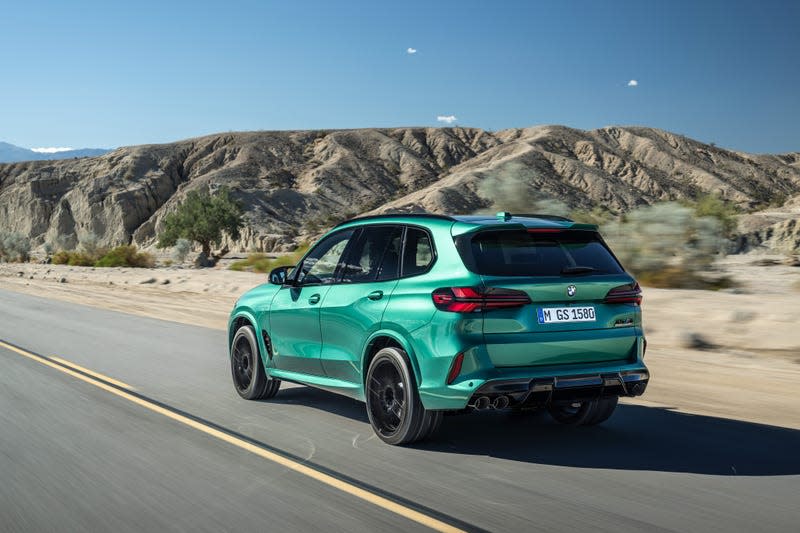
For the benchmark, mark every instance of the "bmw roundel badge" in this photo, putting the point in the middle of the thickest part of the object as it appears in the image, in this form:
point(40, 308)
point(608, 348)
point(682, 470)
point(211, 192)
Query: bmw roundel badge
point(571, 290)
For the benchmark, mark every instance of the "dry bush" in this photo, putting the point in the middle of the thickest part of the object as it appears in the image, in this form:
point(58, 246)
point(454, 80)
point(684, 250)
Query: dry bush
point(14, 247)
point(667, 245)
point(126, 256)
point(262, 263)
point(89, 244)
point(181, 250)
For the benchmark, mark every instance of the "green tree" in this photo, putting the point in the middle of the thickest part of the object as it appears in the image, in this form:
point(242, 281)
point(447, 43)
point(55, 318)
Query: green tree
point(203, 218)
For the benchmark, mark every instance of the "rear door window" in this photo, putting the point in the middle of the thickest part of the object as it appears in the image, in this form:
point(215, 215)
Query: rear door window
point(531, 253)
point(375, 255)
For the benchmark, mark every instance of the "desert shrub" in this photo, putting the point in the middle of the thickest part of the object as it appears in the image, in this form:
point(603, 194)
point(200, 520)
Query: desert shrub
point(597, 215)
point(80, 259)
point(14, 247)
point(89, 244)
point(256, 262)
point(61, 257)
point(126, 256)
point(181, 249)
point(666, 245)
point(262, 263)
point(59, 243)
point(548, 206)
point(713, 206)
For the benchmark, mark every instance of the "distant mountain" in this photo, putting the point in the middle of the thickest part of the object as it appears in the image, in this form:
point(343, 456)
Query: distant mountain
point(12, 154)
point(292, 184)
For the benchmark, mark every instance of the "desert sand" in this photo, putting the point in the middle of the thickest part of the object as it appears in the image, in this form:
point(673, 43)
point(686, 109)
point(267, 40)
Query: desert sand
point(731, 354)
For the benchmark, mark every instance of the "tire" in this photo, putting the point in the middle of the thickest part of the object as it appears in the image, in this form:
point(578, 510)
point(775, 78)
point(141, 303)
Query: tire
point(573, 414)
point(603, 409)
point(395, 411)
point(249, 377)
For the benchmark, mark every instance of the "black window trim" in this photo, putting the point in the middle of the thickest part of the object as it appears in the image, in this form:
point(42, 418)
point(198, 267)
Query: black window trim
point(351, 246)
point(434, 254)
point(357, 232)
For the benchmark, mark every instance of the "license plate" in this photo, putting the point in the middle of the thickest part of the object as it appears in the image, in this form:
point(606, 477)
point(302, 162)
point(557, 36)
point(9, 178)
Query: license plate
point(555, 315)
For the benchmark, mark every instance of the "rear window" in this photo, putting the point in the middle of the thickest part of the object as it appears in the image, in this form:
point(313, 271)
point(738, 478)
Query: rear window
point(523, 253)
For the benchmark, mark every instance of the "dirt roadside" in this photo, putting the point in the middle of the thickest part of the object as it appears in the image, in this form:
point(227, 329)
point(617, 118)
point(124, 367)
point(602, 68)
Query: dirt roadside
point(733, 354)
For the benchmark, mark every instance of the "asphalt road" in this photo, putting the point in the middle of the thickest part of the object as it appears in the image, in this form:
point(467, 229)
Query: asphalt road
point(74, 456)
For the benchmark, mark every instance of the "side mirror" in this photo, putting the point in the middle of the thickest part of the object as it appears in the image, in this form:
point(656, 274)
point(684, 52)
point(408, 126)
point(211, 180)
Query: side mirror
point(278, 275)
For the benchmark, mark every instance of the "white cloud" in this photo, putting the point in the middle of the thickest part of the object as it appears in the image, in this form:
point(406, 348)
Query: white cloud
point(52, 150)
point(633, 83)
point(411, 50)
point(447, 119)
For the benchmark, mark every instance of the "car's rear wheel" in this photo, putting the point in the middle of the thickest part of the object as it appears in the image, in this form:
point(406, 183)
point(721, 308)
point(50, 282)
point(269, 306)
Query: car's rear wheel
point(249, 377)
point(571, 414)
point(393, 405)
point(603, 409)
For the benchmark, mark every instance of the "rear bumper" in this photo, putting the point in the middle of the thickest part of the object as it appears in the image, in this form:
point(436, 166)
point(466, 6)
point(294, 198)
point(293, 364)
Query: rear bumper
point(567, 388)
point(538, 385)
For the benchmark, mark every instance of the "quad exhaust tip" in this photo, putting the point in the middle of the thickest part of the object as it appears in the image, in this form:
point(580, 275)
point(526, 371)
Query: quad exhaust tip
point(484, 402)
point(501, 402)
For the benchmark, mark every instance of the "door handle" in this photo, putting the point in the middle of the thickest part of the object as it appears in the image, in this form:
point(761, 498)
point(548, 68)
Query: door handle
point(313, 299)
point(375, 295)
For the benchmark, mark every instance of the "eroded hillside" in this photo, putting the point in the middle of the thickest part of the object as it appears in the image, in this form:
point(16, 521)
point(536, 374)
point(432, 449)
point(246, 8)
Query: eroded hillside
point(287, 179)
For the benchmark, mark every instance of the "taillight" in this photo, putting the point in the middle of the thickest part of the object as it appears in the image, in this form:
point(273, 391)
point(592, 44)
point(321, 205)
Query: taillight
point(455, 369)
point(625, 294)
point(468, 299)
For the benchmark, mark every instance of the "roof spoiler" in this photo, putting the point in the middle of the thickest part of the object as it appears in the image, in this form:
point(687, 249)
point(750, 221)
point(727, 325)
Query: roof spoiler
point(504, 215)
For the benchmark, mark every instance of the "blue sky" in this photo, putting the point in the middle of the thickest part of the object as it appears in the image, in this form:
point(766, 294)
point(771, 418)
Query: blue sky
point(107, 74)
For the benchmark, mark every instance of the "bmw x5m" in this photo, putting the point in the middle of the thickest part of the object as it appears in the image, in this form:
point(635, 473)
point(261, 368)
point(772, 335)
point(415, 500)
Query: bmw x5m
point(417, 315)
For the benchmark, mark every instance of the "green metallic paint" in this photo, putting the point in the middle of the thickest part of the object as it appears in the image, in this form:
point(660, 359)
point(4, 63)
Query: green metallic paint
point(327, 344)
point(294, 328)
point(350, 313)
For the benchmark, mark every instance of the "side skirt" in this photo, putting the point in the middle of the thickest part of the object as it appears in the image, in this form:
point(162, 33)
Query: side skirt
point(345, 388)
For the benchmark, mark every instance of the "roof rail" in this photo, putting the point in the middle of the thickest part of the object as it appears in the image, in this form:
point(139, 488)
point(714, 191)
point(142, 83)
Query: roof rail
point(397, 215)
point(544, 217)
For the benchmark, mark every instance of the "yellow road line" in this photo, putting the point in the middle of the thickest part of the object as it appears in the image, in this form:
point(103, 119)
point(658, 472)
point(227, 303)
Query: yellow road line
point(349, 488)
point(92, 373)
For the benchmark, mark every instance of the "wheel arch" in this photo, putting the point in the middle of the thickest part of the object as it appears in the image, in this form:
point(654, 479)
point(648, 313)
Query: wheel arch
point(247, 318)
point(381, 339)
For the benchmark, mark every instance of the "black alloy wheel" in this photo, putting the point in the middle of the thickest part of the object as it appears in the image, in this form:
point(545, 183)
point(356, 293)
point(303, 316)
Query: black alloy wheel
point(249, 376)
point(393, 405)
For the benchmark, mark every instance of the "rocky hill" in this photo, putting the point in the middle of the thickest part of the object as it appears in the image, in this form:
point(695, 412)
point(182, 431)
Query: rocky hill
point(294, 182)
point(10, 153)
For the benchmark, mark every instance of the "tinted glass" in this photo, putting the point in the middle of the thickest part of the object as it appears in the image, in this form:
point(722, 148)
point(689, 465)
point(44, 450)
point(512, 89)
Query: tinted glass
point(522, 253)
point(418, 253)
point(320, 264)
point(375, 256)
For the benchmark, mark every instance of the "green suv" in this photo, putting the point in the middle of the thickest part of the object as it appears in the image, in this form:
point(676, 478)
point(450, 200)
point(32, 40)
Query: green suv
point(418, 315)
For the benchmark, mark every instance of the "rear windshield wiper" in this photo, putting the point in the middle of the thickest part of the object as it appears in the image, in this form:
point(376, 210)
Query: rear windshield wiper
point(577, 269)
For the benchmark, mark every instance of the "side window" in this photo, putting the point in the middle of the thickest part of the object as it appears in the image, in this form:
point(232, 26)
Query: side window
point(319, 266)
point(418, 253)
point(375, 256)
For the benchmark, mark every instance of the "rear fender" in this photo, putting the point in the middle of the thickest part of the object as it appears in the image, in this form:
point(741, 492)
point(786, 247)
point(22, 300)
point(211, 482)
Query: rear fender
point(404, 343)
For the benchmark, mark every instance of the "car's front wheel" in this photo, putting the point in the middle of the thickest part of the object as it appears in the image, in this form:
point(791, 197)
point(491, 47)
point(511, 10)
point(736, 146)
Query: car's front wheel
point(249, 377)
point(393, 405)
